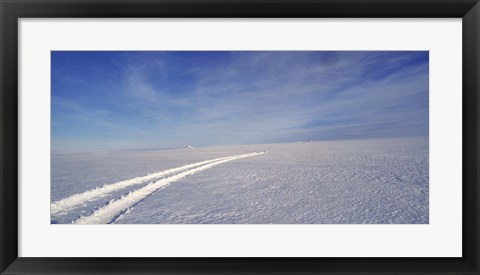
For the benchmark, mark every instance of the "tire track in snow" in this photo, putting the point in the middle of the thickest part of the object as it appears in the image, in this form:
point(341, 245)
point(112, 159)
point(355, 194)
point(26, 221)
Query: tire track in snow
point(67, 204)
point(110, 212)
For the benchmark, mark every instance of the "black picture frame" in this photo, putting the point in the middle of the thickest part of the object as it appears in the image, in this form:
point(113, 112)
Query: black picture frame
point(12, 10)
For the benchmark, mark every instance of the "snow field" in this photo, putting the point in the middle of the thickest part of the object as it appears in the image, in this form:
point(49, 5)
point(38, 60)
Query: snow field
point(114, 208)
point(70, 203)
point(329, 182)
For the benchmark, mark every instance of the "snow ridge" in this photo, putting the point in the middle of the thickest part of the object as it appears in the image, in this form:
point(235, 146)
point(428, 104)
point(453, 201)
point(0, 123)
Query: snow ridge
point(110, 212)
point(69, 203)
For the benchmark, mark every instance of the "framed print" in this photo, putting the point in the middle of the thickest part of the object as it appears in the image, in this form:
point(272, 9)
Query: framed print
point(239, 137)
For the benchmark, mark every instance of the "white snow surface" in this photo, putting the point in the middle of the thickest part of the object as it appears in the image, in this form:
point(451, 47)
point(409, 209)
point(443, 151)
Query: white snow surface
point(69, 203)
point(349, 182)
point(114, 208)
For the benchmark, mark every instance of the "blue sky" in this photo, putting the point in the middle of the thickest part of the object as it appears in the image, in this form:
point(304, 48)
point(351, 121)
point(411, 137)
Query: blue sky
point(141, 100)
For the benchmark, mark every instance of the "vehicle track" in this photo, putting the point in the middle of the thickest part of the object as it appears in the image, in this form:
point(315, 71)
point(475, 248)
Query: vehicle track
point(113, 209)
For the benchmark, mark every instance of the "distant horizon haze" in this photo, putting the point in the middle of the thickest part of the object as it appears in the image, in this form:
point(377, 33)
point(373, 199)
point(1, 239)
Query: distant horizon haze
point(420, 140)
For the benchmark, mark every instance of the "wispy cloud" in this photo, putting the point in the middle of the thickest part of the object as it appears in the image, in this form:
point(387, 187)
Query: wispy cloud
point(170, 99)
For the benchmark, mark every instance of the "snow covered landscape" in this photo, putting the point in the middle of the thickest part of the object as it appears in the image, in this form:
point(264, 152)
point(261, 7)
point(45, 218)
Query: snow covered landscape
point(362, 181)
point(239, 137)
